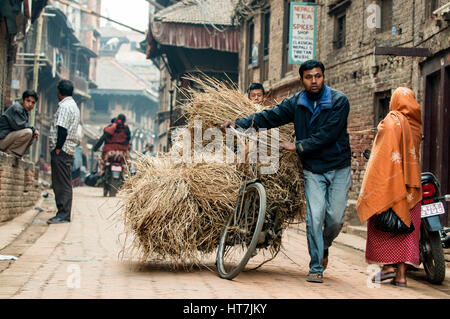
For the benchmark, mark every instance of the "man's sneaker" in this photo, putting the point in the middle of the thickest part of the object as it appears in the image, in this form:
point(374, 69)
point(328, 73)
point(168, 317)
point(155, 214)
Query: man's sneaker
point(57, 220)
point(314, 278)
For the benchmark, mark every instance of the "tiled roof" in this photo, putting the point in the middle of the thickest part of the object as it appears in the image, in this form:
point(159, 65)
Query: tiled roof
point(114, 77)
point(111, 75)
point(111, 32)
point(216, 12)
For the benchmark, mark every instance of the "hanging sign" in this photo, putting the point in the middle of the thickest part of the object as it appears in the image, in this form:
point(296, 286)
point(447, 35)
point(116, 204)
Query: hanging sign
point(302, 32)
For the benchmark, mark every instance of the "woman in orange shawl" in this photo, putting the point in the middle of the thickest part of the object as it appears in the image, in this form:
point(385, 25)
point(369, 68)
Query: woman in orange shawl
point(392, 180)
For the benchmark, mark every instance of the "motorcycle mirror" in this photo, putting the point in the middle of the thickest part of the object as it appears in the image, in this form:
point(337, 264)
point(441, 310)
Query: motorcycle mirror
point(366, 154)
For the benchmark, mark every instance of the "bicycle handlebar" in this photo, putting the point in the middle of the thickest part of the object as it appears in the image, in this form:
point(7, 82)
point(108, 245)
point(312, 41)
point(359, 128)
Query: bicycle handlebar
point(237, 133)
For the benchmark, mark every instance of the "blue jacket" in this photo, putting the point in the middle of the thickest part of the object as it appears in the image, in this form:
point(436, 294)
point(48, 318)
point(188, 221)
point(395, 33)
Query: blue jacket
point(322, 139)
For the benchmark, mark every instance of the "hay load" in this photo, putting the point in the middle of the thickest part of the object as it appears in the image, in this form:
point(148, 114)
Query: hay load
point(175, 210)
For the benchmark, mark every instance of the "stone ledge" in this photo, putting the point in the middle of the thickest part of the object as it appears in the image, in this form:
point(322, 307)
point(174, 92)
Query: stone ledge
point(19, 187)
point(10, 230)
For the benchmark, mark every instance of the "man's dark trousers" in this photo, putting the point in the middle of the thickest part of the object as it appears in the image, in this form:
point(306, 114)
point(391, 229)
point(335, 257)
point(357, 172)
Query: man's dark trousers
point(62, 183)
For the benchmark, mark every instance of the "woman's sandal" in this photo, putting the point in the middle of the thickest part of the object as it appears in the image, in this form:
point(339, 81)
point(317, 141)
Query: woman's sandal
point(379, 277)
point(398, 284)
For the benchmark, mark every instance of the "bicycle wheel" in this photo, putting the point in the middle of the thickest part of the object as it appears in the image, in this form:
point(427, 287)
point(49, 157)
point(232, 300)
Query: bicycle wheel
point(241, 233)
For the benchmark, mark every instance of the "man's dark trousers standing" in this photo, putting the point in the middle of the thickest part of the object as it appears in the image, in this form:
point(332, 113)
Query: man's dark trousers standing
point(62, 183)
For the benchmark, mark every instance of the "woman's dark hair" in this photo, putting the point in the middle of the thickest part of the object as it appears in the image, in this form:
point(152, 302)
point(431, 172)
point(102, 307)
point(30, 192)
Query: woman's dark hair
point(28, 93)
point(256, 86)
point(309, 65)
point(121, 117)
point(65, 88)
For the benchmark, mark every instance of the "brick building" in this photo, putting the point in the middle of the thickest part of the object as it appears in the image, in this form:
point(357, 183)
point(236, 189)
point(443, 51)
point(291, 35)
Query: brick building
point(19, 187)
point(126, 83)
point(189, 37)
point(15, 18)
point(63, 56)
point(360, 44)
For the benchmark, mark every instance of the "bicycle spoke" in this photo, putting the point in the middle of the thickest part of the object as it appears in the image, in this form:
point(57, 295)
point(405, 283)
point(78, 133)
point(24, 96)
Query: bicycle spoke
point(240, 236)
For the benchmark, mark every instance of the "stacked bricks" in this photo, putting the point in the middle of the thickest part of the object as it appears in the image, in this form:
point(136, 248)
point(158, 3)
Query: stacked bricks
point(19, 188)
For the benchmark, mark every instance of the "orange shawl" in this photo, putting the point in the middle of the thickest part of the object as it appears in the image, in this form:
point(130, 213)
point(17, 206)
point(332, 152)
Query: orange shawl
point(392, 177)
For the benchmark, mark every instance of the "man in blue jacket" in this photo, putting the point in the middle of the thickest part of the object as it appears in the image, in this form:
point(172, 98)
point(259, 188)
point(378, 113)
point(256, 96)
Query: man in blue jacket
point(319, 114)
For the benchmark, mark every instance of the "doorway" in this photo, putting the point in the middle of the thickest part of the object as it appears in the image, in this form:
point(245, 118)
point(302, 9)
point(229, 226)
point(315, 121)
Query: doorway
point(436, 119)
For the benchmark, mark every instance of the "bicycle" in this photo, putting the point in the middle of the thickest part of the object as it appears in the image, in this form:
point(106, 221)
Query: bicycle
point(248, 228)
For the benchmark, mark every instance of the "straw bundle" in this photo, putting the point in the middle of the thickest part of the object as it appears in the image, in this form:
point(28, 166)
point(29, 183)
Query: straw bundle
point(177, 210)
point(212, 102)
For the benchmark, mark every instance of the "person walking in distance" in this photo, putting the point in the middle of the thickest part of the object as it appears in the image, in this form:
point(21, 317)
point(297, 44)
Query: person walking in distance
point(63, 140)
point(116, 137)
point(320, 117)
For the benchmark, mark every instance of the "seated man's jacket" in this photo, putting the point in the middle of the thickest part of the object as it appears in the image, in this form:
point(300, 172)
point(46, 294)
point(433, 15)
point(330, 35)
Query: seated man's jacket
point(15, 118)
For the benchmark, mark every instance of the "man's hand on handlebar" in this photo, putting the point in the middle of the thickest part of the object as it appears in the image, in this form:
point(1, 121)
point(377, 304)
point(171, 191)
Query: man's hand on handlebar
point(288, 146)
point(226, 124)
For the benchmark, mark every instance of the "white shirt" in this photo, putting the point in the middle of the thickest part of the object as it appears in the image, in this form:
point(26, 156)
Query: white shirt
point(67, 116)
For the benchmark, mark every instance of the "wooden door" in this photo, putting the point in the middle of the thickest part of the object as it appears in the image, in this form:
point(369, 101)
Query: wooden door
point(436, 122)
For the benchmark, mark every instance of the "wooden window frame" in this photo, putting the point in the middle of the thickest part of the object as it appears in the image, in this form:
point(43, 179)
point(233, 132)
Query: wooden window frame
point(430, 6)
point(385, 8)
point(337, 41)
point(248, 55)
point(265, 37)
point(286, 67)
point(379, 111)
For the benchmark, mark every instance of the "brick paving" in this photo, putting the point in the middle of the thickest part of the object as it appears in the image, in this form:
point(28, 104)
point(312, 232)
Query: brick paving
point(90, 246)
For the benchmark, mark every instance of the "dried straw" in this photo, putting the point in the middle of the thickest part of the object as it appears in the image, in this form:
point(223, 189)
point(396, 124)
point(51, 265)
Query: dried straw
point(176, 211)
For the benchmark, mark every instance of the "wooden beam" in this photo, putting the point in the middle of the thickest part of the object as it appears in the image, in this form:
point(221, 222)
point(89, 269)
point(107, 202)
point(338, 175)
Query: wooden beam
point(398, 51)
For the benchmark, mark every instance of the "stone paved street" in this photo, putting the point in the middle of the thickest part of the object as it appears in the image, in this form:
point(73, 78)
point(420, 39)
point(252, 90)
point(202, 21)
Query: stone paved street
point(81, 260)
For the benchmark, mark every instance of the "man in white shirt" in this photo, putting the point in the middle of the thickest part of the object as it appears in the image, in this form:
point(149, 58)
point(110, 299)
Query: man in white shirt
point(63, 140)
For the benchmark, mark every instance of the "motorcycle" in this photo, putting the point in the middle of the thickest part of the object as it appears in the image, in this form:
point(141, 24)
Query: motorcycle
point(114, 175)
point(432, 235)
point(433, 238)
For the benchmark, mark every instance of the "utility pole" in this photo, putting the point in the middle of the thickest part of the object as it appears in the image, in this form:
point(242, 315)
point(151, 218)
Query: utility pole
point(37, 53)
point(169, 133)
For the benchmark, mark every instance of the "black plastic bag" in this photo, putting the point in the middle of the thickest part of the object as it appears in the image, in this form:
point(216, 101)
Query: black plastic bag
point(389, 222)
point(91, 179)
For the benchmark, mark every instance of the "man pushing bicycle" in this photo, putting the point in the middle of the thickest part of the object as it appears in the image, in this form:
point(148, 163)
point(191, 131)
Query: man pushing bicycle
point(319, 114)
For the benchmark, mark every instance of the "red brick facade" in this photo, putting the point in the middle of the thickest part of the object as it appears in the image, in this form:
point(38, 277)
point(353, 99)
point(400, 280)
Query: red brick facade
point(364, 77)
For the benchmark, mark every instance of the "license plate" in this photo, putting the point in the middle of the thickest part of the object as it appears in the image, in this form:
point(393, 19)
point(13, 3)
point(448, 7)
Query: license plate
point(432, 209)
point(116, 168)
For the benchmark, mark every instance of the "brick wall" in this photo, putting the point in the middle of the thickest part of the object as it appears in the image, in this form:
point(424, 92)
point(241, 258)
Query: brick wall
point(19, 188)
point(3, 61)
point(354, 69)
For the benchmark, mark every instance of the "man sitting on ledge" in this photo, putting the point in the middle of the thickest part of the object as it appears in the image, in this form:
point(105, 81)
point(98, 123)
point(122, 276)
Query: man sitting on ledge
point(16, 135)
